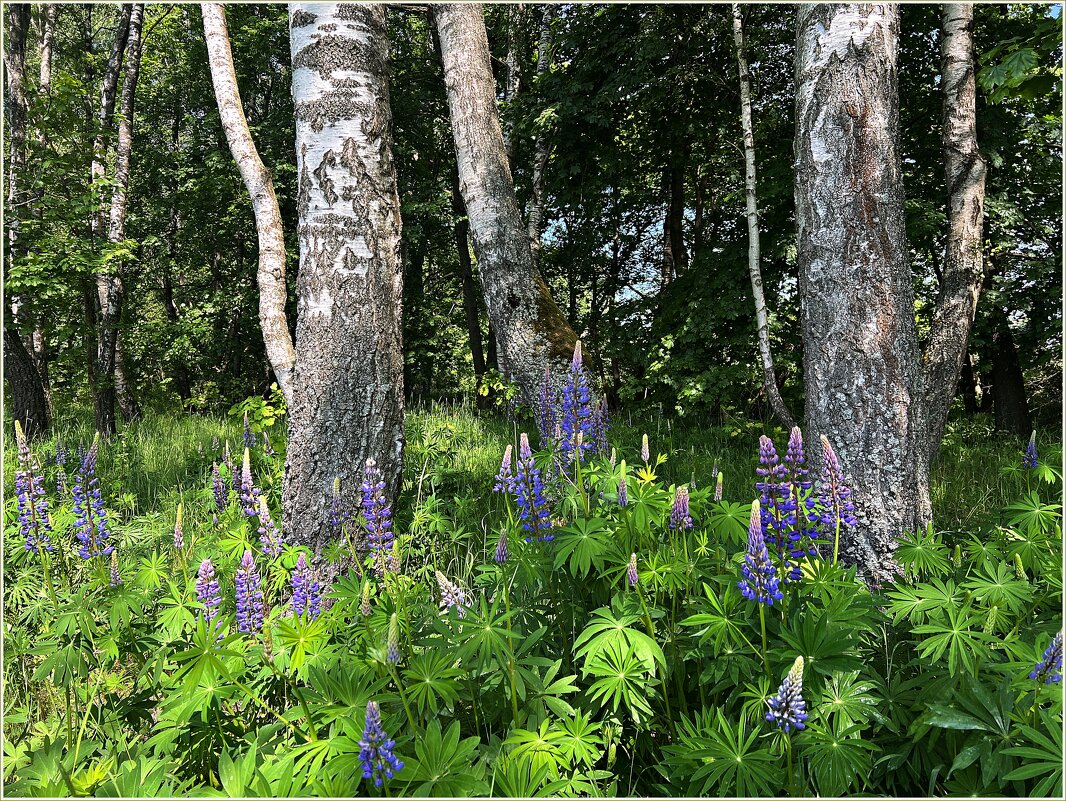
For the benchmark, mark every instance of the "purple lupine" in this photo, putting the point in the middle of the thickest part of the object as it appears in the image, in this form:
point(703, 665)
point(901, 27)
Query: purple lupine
point(505, 477)
point(529, 496)
point(645, 451)
point(760, 577)
point(392, 644)
point(269, 535)
point(306, 593)
point(249, 438)
point(179, 534)
point(833, 504)
point(601, 426)
point(794, 504)
point(631, 571)
point(221, 494)
point(116, 576)
point(451, 595)
point(1030, 461)
point(788, 710)
point(375, 749)
point(679, 515)
point(576, 412)
point(502, 552)
point(377, 517)
point(248, 492)
point(90, 516)
point(61, 454)
point(34, 521)
point(1049, 669)
point(207, 590)
point(779, 505)
point(249, 596)
point(546, 423)
point(336, 511)
point(623, 491)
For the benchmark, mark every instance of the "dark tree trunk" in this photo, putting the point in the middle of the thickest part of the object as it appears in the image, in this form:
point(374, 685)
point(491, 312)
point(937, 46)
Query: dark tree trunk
point(27, 401)
point(968, 386)
point(348, 383)
point(861, 368)
point(532, 333)
point(1008, 383)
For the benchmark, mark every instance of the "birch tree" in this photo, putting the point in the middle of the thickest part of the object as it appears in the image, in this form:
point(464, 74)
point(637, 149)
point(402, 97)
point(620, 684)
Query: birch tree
point(762, 324)
point(260, 186)
point(347, 393)
point(531, 332)
point(861, 369)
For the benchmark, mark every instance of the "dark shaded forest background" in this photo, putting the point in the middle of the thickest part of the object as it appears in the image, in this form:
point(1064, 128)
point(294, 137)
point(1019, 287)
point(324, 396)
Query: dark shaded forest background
point(645, 242)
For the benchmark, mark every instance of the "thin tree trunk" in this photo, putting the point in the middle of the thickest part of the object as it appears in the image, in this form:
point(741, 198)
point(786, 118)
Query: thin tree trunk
point(963, 272)
point(968, 386)
point(466, 274)
point(762, 323)
point(260, 186)
point(125, 395)
point(1008, 382)
point(347, 399)
point(531, 332)
point(861, 367)
point(540, 146)
point(50, 13)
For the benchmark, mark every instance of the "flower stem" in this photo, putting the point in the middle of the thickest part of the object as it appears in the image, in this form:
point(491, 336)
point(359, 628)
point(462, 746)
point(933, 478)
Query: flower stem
point(762, 625)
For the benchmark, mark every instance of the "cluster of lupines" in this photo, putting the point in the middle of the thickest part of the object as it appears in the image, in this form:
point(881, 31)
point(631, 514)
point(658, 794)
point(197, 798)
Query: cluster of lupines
point(378, 520)
point(61, 468)
point(575, 413)
point(34, 522)
point(788, 710)
point(306, 593)
point(235, 474)
point(269, 535)
point(529, 496)
point(249, 596)
point(760, 582)
point(90, 516)
point(781, 491)
point(452, 596)
point(207, 590)
point(1030, 460)
point(375, 749)
point(1049, 669)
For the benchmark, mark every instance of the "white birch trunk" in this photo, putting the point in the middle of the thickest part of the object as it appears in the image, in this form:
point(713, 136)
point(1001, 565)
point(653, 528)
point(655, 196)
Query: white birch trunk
point(260, 186)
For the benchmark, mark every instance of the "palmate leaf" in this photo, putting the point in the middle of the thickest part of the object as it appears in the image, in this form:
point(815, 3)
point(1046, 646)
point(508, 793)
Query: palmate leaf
point(485, 635)
point(719, 623)
point(1032, 516)
point(729, 521)
point(1042, 758)
point(622, 678)
point(838, 755)
point(954, 635)
point(431, 680)
point(733, 765)
point(583, 544)
point(998, 586)
point(610, 627)
point(444, 765)
point(922, 553)
point(919, 602)
point(540, 747)
point(825, 647)
point(847, 700)
point(546, 689)
point(515, 777)
point(581, 742)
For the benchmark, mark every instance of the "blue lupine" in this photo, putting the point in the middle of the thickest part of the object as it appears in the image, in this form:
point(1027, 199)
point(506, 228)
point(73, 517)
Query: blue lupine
point(451, 595)
point(788, 710)
point(631, 571)
point(61, 454)
point(1030, 461)
point(779, 501)
point(529, 496)
point(269, 535)
point(392, 644)
point(249, 438)
point(378, 518)
point(207, 590)
point(219, 491)
point(249, 596)
point(760, 576)
point(90, 516)
point(505, 477)
point(679, 515)
point(834, 499)
point(375, 749)
point(623, 491)
point(502, 552)
point(1049, 669)
point(576, 412)
point(306, 593)
point(34, 521)
point(546, 422)
point(116, 576)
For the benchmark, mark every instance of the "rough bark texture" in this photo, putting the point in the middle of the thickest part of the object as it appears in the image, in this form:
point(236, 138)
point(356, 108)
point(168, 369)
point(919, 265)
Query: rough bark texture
point(260, 186)
point(540, 146)
point(515, 16)
point(531, 332)
point(861, 367)
point(27, 401)
point(762, 323)
point(963, 273)
point(347, 401)
point(461, 231)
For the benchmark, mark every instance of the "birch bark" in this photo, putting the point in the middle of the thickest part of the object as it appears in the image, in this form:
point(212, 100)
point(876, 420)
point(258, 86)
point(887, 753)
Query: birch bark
point(347, 399)
point(260, 186)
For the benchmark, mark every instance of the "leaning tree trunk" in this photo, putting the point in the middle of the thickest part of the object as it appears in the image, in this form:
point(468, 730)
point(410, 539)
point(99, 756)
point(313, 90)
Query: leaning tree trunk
point(260, 186)
point(347, 403)
point(531, 332)
point(963, 274)
point(861, 368)
point(762, 323)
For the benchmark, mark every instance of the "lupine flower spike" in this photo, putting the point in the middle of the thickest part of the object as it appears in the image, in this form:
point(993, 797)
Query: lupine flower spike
point(779, 501)
point(837, 509)
point(249, 596)
point(336, 510)
point(1030, 461)
point(505, 478)
point(645, 451)
point(269, 535)
point(220, 492)
point(576, 422)
point(392, 646)
point(788, 709)
point(1049, 669)
point(502, 552)
point(179, 534)
point(623, 491)
point(718, 487)
point(631, 571)
point(375, 749)
point(546, 423)
point(207, 591)
point(364, 604)
point(529, 496)
point(451, 596)
point(90, 516)
point(34, 522)
point(378, 518)
point(760, 577)
point(116, 577)
point(248, 492)
point(306, 594)
point(679, 515)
